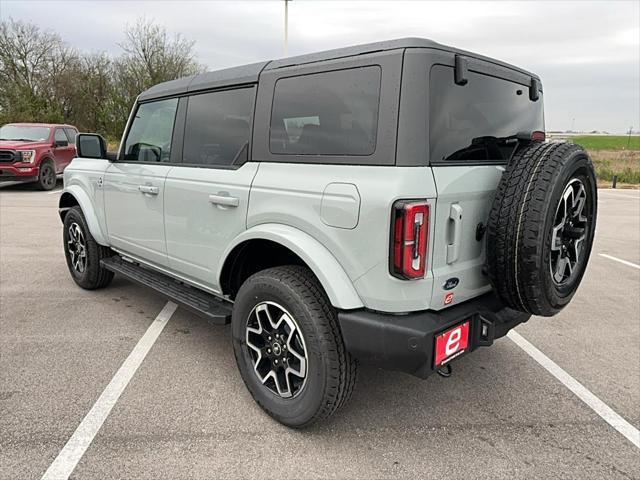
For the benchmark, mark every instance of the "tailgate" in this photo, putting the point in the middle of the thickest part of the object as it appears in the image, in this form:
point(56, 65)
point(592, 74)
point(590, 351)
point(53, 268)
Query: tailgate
point(465, 194)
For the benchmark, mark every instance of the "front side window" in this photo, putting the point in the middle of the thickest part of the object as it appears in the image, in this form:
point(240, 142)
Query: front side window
point(217, 127)
point(60, 136)
point(71, 134)
point(328, 113)
point(149, 138)
point(478, 122)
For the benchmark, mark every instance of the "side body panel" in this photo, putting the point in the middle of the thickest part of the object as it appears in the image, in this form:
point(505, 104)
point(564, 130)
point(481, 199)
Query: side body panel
point(293, 195)
point(82, 179)
point(198, 225)
point(324, 265)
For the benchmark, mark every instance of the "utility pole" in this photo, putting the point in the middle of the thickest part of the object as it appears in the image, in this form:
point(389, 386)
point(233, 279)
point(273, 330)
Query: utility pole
point(286, 27)
point(629, 137)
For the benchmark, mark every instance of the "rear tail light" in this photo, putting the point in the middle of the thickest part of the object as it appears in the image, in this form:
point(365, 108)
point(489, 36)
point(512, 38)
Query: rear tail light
point(409, 229)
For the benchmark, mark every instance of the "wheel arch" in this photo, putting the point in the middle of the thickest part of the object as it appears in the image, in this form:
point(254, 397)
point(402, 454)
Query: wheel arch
point(270, 245)
point(74, 196)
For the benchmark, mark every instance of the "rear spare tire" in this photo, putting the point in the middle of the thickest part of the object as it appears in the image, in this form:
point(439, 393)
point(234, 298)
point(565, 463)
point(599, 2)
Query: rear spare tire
point(541, 227)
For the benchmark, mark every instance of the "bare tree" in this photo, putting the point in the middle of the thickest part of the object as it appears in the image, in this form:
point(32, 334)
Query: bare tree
point(151, 56)
point(32, 66)
point(42, 79)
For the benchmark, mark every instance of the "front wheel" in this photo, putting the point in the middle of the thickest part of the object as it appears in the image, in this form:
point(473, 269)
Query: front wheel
point(289, 348)
point(83, 253)
point(47, 178)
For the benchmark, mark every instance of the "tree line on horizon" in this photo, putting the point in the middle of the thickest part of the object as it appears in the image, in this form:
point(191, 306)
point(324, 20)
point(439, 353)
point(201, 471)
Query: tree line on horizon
point(43, 79)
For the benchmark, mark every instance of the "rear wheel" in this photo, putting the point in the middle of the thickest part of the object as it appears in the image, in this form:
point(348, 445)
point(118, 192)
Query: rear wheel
point(289, 348)
point(47, 178)
point(541, 227)
point(83, 254)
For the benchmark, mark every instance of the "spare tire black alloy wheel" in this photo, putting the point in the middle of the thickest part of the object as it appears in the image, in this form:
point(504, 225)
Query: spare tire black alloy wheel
point(277, 348)
point(569, 232)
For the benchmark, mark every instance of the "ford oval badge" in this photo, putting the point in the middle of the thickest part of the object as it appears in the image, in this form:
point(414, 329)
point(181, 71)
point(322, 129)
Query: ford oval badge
point(451, 283)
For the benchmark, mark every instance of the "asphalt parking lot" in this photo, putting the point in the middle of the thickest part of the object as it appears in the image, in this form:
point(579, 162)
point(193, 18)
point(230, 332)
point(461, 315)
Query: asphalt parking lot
point(186, 413)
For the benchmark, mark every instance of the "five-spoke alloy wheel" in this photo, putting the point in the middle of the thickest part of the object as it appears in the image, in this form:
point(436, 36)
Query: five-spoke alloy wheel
point(277, 348)
point(289, 348)
point(83, 253)
point(77, 248)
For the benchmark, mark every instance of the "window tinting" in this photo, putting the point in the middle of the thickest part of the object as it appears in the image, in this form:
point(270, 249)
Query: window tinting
point(329, 113)
point(474, 122)
point(149, 138)
point(59, 136)
point(217, 127)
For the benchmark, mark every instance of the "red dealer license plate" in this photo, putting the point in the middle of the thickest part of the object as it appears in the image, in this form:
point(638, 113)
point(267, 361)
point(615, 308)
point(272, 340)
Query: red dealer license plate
point(452, 343)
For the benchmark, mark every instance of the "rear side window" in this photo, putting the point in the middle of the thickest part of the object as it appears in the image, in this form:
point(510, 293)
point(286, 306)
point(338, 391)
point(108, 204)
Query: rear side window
point(329, 113)
point(217, 127)
point(149, 138)
point(477, 122)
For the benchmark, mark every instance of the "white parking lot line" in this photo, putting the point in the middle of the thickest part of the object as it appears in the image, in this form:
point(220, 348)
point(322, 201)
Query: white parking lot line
point(72, 452)
point(615, 259)
point(611, 417)
point(608, 194)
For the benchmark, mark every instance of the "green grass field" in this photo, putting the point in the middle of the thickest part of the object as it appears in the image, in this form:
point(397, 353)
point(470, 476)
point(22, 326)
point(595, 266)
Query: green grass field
point(607, 142)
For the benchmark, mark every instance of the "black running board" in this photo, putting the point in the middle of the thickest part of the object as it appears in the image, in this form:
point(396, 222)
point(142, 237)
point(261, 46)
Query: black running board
point(215, 309)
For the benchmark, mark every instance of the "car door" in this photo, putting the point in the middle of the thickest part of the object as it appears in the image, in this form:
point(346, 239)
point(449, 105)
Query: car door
point(71, 135)
point(206, 197)
point(473, 132)
point(63, 150)
point(134, 185)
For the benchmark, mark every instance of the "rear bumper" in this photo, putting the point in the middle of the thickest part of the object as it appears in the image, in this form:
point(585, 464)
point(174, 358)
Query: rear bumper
point(407, 342)
point(25, 172)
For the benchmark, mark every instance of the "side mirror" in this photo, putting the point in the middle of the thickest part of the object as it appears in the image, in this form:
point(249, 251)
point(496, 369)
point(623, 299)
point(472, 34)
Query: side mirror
point(91, 145)
point(60, 143)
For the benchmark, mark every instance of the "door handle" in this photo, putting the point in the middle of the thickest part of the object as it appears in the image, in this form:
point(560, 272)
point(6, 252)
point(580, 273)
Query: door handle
point(148, 189)
point(224, 200)
point(453, 249)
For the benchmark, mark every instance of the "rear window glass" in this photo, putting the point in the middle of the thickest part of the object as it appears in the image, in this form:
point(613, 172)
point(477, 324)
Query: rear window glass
point(477, 122)
point(217, 127)
point(329, 113)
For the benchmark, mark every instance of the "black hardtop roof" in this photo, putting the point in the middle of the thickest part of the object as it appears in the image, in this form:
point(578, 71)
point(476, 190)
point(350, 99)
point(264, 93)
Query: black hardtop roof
point(250, 73)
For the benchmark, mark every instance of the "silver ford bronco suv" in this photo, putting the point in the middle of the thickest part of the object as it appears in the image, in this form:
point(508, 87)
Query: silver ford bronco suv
point(393, 204)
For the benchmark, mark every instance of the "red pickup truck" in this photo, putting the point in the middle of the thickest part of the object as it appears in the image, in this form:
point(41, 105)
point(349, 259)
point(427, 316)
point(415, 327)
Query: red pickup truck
point(36, 152)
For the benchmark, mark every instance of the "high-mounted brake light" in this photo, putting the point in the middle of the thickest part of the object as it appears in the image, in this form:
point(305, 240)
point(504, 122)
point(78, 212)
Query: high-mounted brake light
point(410, 228)
point(538, 136)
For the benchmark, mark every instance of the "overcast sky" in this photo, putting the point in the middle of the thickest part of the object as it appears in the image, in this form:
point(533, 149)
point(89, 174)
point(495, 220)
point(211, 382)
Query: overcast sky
point(586, 52)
